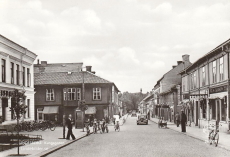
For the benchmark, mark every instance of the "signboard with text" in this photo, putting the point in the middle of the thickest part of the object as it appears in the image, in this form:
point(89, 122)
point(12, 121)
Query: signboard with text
point(218, 89)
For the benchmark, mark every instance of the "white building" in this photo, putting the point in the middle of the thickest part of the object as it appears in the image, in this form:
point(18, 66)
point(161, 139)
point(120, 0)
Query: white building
point(16, 72)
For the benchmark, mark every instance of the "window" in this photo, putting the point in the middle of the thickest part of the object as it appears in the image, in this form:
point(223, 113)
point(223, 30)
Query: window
point(203, 76)
point(28, 108)
point(23, 76)
point(78, 93)
point(49, 94)
point(3, 70)
point(96, 93)
point(194, 79)
point(17, 75)
point(214, 71)
point(28, 77)
point(69, 93)
point(12, 73)
point(221, 69)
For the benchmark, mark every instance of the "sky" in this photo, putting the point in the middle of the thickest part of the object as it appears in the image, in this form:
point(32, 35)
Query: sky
point(132, 43)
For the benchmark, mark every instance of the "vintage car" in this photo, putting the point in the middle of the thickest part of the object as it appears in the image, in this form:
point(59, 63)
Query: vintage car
point(142, 119)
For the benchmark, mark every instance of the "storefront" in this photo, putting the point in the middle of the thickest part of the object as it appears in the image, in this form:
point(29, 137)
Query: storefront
point(50, 113)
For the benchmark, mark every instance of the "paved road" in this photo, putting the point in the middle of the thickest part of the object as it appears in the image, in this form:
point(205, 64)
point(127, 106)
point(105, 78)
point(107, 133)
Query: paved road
point(140, 140)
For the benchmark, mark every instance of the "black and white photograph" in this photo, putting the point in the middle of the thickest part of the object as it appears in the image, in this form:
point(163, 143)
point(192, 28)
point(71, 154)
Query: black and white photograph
point(114, 78)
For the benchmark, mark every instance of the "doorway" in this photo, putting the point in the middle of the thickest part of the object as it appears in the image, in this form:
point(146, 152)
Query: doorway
point(4, 105)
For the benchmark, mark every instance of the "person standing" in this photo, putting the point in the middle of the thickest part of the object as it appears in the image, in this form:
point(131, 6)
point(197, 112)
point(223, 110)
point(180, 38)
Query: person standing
point(183, 121)
point(69, 123)
point(177, 118)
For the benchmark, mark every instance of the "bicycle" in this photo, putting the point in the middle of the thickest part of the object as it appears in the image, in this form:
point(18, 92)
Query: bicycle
point(117, 126)
point(214, 135)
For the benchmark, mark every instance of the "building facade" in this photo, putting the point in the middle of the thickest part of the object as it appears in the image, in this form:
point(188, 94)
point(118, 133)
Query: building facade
point(168, 90)
point(205, 89)
point(60, 87)
point(16, 73)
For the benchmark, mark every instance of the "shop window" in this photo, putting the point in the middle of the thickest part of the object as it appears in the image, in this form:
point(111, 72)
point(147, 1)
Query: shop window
point(223, 111)
point(39, 114)
point(213, 107)
point(203, 106)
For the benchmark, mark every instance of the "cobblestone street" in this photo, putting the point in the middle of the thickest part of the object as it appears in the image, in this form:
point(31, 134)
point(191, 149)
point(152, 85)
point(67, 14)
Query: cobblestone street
point(140, 140)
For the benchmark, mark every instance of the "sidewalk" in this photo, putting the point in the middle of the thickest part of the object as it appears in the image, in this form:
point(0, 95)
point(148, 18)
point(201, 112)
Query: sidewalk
point(51, 141)
point(200, 133)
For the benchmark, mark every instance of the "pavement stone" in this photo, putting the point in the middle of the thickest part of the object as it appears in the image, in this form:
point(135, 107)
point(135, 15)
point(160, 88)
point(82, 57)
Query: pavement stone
point(200, 133)
point(51, 141)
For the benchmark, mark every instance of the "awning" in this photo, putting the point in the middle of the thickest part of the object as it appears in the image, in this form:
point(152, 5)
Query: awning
point(91, 110)
point(50, 110)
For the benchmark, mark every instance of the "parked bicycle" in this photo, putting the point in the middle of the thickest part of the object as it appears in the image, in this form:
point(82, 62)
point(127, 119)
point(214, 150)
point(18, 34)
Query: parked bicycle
point(214, 135)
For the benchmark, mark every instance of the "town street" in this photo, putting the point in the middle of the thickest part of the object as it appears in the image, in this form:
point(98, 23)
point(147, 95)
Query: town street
point(140, 140)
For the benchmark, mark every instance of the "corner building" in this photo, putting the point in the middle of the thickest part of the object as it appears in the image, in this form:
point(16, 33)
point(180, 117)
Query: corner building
point(16, 73)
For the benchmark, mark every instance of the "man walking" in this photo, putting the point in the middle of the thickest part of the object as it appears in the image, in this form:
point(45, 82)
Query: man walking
point(69, 123)
point(177, 118)
point(183, 121)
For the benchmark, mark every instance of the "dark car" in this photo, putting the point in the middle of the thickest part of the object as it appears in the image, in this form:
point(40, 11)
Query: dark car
point(142, 119)
point(134, 114)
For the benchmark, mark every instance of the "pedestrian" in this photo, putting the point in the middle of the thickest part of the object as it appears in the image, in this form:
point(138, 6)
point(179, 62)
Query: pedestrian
point(183, 121)
point(190, 118)
point(177, 118)
point(69, 123)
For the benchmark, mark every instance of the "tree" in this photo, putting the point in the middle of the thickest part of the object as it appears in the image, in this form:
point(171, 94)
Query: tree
point(19, 108)
point(131, 100)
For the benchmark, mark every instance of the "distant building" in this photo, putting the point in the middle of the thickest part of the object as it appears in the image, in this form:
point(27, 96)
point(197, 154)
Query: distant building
point(168, 91)
point(60, 87)
point(16, 73)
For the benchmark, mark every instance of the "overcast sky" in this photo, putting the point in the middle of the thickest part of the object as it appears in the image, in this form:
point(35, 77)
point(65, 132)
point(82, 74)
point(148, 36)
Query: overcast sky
point(129, 42)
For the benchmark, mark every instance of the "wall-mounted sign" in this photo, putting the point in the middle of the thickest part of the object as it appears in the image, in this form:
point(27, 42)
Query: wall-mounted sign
point(218, 89)
point(90, 110)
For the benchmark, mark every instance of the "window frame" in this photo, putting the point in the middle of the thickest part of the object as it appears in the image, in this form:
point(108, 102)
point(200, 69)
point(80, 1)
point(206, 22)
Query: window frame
point(50, 95)
point(221, 66)
point(69, 94)
point(17, 74)
point(12, 73)
point(214, 70)
point(203, 76)
point(3, 65)
point(78, 93)
point(97, 93)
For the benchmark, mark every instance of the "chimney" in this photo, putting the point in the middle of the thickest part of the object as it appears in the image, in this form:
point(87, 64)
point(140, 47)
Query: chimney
point(38, 62)
point(179, 62)
point(185, 58)
point(174, 66)
point(44, 63)
point(88, 68)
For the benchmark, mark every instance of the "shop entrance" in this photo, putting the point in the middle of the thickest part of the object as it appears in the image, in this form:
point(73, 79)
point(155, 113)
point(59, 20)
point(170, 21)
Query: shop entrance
point(4, 105)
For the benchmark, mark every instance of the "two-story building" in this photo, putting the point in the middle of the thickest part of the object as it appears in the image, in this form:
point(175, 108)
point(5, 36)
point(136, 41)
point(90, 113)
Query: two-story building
point(205, 88)
point(60, 87)
point(169, 90)
point(16, 73)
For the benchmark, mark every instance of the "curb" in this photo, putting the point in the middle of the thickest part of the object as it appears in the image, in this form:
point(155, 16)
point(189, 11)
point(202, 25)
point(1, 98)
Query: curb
point(53, 149)
point(192, 136)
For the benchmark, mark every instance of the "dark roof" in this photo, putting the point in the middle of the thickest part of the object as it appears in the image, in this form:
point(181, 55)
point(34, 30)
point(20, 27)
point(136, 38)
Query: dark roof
point(201, 59)
point(57, 67)
point(63, 78)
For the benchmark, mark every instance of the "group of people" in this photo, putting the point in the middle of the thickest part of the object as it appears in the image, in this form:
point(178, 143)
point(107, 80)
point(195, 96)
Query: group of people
point(181, 119)
point(99, 124)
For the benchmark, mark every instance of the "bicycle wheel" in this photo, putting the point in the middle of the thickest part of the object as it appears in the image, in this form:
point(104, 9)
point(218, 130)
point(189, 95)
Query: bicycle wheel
point(52, 127)
point(216, 139)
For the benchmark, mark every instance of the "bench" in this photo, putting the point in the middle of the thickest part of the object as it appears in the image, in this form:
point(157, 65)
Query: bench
point(161, 124)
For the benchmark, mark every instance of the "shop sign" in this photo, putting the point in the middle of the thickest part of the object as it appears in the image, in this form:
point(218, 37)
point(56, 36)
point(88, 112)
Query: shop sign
point(218, 89)
point(90, 110)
